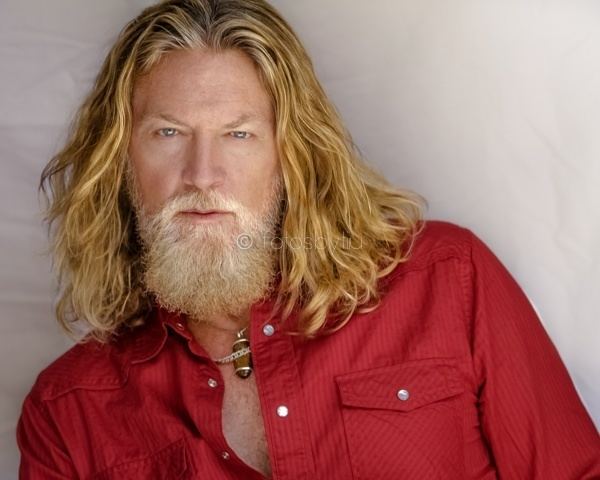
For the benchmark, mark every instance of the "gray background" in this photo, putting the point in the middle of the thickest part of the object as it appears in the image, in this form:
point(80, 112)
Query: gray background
point(489, 109)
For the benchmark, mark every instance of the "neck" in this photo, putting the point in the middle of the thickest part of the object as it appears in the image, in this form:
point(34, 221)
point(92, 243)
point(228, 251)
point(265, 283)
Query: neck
point(217, 335)
point(223, 323)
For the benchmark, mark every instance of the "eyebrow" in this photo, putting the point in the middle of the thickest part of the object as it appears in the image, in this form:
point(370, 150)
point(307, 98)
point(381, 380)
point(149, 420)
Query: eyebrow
point(162, 116)
point(243, 118)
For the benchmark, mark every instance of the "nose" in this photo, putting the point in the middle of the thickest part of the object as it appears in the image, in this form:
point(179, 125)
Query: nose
point(203, 168)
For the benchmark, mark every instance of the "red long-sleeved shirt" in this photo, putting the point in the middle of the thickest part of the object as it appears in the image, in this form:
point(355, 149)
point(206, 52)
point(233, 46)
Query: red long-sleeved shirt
point(452, 377)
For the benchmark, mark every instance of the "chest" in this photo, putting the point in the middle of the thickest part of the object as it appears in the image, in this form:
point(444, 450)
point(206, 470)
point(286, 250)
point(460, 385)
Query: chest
point(243, 425)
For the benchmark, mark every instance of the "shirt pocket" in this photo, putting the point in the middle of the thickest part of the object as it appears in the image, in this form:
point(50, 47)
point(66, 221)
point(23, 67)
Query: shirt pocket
point(404, 420)
point(171, 462)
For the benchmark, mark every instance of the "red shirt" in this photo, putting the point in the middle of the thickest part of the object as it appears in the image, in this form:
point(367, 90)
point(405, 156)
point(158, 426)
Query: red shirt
point(452, 377)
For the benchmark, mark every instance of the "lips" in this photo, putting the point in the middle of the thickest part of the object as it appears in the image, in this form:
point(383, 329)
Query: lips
point(202, 212)
point(197, 216)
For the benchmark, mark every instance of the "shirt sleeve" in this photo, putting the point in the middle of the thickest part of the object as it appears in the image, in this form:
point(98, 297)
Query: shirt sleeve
point(531, 415)
point(43, 453)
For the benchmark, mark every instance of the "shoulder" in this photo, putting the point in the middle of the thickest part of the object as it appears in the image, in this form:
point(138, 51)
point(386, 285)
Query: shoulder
point(89, 364)
point(436, 234)
point(437, 241)
point(440, 241)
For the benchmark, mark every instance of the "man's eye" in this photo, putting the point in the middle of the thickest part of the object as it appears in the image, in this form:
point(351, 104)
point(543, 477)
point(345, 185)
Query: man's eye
point(167, 132)
point(240, 134)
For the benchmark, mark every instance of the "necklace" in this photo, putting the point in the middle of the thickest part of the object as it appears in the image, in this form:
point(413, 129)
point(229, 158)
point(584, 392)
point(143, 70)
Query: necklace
point(240, 355)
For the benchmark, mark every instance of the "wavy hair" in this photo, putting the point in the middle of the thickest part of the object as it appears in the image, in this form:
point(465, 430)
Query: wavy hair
point(364, 227)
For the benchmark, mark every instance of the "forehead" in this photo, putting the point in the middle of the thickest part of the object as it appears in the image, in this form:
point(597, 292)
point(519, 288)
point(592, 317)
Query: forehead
point(188, 81)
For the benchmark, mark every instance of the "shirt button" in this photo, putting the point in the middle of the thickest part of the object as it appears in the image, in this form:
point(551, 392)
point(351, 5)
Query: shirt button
point(225, 455)
point(282, 411)
point(212, 383)
point(268, 330)
point(179, 325)
point(403, 395)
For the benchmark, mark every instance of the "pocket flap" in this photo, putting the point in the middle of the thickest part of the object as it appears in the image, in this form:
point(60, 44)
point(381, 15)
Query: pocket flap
point(403, 387)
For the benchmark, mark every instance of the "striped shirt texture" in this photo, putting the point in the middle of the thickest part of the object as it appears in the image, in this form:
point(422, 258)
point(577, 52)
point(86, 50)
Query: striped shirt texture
point(452, 377)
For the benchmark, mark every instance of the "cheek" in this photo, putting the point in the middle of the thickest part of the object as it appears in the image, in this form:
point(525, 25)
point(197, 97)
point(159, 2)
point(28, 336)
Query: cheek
point(156, 180)
point(259, 183)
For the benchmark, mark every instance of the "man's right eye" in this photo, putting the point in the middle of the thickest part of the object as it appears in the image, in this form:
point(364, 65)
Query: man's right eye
point(167, 132)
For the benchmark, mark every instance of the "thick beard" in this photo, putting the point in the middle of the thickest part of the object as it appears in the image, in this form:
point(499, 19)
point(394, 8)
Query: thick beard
point(209, 270)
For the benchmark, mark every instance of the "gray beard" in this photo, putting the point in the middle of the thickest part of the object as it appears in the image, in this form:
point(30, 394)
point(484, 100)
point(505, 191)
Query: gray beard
point(212, 270)
point(208, 277)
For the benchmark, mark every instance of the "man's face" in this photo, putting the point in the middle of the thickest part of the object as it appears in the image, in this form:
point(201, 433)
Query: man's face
point(202, 121)
point(203, 141)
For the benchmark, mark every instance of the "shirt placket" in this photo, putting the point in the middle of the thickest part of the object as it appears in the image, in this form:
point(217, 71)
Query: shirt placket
point(209, 415)
point(283, 409)
point(204, 395)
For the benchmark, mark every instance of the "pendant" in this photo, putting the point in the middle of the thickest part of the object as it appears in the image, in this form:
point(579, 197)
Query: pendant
point(242, 365)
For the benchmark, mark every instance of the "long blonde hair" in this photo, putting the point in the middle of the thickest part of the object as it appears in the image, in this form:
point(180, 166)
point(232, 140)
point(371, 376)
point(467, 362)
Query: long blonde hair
point(364, 227)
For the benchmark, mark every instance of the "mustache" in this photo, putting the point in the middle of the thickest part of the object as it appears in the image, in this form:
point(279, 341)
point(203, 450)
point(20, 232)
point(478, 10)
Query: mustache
point(199, 200)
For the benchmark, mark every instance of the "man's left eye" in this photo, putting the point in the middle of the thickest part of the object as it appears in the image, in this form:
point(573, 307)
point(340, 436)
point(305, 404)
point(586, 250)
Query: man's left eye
point(240, 134)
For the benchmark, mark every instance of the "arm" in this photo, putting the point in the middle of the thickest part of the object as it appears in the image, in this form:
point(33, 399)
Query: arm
point(531, 415)
point(43, 454)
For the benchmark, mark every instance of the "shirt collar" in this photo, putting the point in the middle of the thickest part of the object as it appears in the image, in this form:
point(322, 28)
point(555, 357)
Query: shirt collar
point(149, 339)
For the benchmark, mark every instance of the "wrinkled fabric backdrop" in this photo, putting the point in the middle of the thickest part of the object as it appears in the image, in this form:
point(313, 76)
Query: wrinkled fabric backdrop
point(491, 110)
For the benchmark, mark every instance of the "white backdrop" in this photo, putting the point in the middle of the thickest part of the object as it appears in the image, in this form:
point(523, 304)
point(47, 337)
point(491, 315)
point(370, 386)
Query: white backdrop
point(489, 109)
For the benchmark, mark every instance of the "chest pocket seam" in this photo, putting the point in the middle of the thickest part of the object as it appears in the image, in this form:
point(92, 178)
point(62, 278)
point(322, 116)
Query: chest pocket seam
point(170, 462)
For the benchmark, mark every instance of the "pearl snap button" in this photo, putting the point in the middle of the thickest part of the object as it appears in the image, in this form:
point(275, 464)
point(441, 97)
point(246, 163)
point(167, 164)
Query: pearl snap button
point(282, 411)
point(212, 383)
point(179, 325)
point(403, 395)
point(268, 330)
point(225, 455)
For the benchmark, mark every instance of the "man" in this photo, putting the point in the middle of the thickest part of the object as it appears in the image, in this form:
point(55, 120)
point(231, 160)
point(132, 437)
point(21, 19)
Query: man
point(259, 303)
